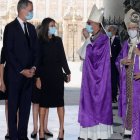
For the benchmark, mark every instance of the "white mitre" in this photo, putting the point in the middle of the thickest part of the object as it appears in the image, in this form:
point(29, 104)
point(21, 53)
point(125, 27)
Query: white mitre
point(96, 14)
point(132, 18)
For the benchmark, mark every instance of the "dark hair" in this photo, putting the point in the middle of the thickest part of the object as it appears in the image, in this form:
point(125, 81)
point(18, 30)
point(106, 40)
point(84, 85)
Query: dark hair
point(23, 4)
point(38, 29)
point(43, 32)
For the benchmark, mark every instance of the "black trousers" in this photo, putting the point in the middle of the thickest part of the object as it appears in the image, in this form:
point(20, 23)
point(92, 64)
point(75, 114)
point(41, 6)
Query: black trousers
point(19, 100)
point(114, 80)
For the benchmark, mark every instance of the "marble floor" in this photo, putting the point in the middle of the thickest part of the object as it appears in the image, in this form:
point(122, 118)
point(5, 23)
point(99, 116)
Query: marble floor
point(71, 125)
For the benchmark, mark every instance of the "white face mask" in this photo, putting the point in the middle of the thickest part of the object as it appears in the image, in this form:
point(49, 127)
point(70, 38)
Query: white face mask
point(132, 33)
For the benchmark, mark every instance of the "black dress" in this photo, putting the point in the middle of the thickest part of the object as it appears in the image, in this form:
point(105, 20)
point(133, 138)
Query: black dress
point(52, 63)
point(3, 96)
point(36, 93)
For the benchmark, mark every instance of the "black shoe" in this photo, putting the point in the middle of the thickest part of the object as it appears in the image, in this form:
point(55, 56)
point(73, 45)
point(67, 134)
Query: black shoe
point(48, 134)
point(127, 136)
point(7, 137)
point(41, 138)
point(61, 138)
point(80, 138)
point(114, 100)
point(33, 135)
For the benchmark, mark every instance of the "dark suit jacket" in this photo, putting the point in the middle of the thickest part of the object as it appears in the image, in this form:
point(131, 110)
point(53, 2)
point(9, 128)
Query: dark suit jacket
point(115, 49)
point(18, 54)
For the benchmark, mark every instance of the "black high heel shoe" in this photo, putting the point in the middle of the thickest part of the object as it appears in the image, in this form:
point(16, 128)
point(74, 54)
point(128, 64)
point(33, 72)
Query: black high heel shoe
point(7, 137)
point(41, 138)
point(80, 138)
point(61, 138)
point(33, 135)
point(48, 134)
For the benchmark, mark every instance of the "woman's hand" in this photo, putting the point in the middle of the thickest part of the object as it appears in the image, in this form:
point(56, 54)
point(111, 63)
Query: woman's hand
point(38, 83)
point(126, 61)
point(85, 33)
point(69, 78)
point(136, 76)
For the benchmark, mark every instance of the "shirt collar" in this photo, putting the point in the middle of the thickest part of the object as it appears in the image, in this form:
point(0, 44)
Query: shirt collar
point(113, 37)
point(20, 20)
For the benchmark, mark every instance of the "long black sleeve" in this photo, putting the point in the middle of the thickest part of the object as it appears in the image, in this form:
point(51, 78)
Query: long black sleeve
point(38, 69)
point(63, 58)
point(35, 49)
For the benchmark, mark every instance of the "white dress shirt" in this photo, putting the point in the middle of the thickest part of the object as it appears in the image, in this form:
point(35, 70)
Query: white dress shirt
point(112, 39)
point(22, 24)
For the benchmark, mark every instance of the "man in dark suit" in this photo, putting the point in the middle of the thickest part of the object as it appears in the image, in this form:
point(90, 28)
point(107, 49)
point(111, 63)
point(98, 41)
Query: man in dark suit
point(21, 47)
point(115, 50)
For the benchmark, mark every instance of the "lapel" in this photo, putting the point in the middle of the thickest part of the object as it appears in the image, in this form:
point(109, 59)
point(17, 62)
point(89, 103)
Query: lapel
point(19, 28)
point(21, 32)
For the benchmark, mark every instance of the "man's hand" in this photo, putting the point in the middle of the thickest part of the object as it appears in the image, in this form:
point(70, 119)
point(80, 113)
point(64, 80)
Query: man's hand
point(81, 58)
point(137, 51)
point(126, 61)
point(38, 83)
point(32, 70)
point(28, 73)
point(136, 76)
point(85, 33)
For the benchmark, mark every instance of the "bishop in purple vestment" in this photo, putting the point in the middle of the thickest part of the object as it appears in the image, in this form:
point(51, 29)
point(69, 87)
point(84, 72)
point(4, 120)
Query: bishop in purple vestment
point(95, 109)
point(129, 97)
point(96, 101)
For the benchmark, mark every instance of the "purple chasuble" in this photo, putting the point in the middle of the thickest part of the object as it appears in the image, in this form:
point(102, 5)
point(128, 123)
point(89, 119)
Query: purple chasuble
point(122, 102)
point(96, 98)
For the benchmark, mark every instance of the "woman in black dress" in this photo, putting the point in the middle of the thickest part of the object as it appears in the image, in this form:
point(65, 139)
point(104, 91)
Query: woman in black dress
point(3, 93)
point(35, 108)
point(51, 76)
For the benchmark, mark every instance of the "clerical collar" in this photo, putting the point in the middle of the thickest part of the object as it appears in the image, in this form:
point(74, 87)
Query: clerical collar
point(93, 37)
